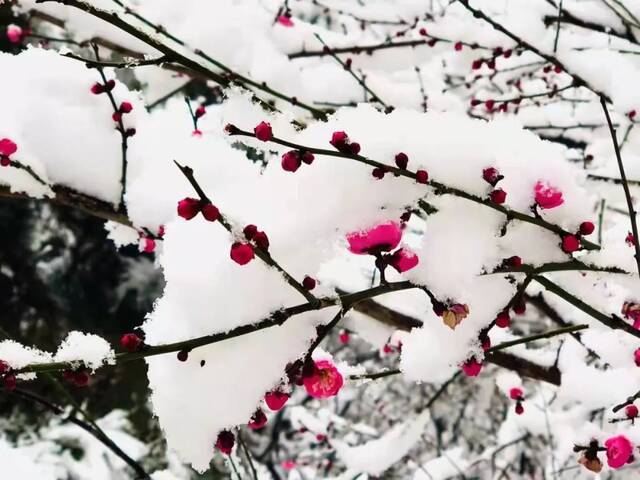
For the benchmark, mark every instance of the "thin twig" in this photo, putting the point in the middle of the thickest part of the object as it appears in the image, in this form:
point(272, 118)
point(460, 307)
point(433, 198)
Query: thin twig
point(107, 442)
point(625, 185)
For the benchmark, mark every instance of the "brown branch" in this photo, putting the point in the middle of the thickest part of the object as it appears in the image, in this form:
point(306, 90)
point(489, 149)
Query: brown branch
point(625, 184)
point(578, 80)
point(99, 435)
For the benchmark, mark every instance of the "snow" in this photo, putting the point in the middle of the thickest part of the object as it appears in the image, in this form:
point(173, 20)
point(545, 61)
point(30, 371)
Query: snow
point(90, 350)
point(66, 135)
point(376, 456)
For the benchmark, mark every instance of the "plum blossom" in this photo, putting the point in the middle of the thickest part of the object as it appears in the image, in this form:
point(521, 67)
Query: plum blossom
point(631, 310)
point(285, 21)
point(325, 380)
point(619, 450)
point(547, 196)
point(15, 33)
point(404, 259)
point(381, 238)
point(276, 399)
point(471, 368)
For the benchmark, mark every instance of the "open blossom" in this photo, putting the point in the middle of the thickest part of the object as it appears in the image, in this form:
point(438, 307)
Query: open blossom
point(381, 238)
point(404, 259)
point(619, 450)
point(453, 315)
point(325, 380)
point(547, 196)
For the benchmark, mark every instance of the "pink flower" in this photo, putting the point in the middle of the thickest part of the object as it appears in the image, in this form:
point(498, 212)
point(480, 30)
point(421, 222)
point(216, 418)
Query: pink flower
point(547, 196)
point(14, 33)
point(516, 393)
point(619, 449)
point(631, 411)
point(403, 260)
point(636, 357)
point(288, 465)
point(7, 147)
point(276, 399)
point(285, 21)
point(471, 368)
point(381, 238)
point(344, 337)
point(325, 380)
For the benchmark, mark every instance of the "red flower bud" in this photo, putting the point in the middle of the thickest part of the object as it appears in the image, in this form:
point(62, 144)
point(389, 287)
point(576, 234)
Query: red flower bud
point(262, 241)
point(130, 342)
point(210, 212)
point(125, 107)
point(378, 173)
point(308, 282)
point(422, 176)
point(250, 231)
point(587, 228)
point(263, 131)
point(570, 244)
point(498, 196)
point(189, 207)
point(491, 175)
point(258, 420)
point(200, 111)
point(242, 253)
point(225, 442)
point(503, 320)
point(402, 160)
point(291, 161)
point(307, 157)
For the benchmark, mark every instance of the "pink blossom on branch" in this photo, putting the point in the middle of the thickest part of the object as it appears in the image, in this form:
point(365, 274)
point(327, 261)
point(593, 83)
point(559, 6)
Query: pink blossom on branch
point(619, 451)
point(381, 238)
point(547, 196)
point(324, 381)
